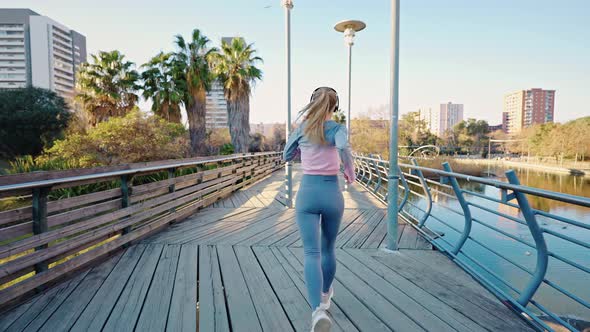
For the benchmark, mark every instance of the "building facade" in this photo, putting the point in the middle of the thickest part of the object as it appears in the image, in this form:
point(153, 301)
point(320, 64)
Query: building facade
point(450, 114)
point(216, 107)
point(526, 108)
point(505, 122)
point(38, 51)
point(431, 118)
point(441, 120)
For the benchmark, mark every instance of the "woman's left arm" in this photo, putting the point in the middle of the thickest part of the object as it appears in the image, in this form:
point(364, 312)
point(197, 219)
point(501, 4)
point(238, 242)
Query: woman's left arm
point(345, 155)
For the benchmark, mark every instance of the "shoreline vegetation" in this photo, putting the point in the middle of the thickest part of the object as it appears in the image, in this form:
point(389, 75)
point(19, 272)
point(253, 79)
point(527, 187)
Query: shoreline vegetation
point(478, 166)
point(456, 166)
point(545, 167)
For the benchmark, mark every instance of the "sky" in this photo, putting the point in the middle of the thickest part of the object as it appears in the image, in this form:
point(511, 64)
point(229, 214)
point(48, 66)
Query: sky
point(462, 51)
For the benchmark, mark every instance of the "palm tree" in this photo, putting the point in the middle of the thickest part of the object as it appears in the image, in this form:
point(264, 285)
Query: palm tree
point(160, 85)
point(107, 86)
point(234, 67)
point(192, 68)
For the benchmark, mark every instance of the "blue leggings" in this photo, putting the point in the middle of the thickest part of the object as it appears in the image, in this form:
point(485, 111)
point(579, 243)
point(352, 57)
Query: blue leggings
point(319, 198)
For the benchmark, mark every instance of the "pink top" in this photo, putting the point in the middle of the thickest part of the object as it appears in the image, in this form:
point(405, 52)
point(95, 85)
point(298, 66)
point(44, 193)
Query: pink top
point(320, 160)
point(317, 159)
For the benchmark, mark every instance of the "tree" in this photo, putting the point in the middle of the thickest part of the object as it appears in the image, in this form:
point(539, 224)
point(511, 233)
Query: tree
point(160, 85)
point(339, 117)
point(278, 137)
point(107, 87)
point(216, 139)
point(257, 143)
point(134, 138)
point(30, 118)
point(413, 131)
point(191, 65)
point(369, 135)
point(471, 135)
point(235, 68)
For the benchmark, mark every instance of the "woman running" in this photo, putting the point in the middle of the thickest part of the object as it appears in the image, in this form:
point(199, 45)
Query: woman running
point(322, 144)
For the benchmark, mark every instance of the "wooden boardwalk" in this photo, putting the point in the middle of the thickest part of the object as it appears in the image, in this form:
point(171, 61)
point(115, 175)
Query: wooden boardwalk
point(237, 266)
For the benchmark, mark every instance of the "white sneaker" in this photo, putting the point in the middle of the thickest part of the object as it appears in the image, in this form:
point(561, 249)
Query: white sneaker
point(320, 322)
point(327, 299)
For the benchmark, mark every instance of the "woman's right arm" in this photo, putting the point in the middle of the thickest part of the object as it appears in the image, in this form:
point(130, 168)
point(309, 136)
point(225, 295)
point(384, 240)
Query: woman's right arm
point(292, 147)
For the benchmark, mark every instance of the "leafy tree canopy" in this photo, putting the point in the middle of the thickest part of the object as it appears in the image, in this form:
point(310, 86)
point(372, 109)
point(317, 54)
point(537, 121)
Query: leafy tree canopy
point(134, 138)
point(30, 118)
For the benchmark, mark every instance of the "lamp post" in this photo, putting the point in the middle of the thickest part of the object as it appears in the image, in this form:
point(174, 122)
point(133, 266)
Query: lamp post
point(349, 28)
point(288, 4)
point(393, 174)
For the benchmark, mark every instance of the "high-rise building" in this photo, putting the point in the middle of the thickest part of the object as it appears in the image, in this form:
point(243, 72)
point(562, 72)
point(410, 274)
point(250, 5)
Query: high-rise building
point(450, 114)
point(438, 122)
point(525, 108)
point(38, 51)
point(430, 118)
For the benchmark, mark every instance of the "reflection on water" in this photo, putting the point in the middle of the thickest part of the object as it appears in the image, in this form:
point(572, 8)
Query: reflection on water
point(494, 267)
point(563, 183)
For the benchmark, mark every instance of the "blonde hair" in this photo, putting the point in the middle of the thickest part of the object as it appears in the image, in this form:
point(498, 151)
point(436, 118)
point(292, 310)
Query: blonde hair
point(323, 102)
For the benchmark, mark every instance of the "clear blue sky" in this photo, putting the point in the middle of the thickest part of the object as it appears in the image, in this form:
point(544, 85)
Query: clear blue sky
point(464, 51)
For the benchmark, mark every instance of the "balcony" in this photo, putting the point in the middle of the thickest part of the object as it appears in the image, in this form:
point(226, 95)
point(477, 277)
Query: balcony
point(7, 70)
point(62, 58)
point(10, 42)
point(12, 85)
point(64, 77)
point(12, 50)
point(57, 46)
point(12, 56)
point(57, 32)
point(64, 66)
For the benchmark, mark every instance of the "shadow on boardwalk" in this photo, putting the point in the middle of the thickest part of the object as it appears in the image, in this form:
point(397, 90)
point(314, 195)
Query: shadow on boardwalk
point(238, 266)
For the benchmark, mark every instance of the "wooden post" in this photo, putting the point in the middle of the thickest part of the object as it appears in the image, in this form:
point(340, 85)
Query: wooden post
point(125, 193)
point(40, 220)
point(172, 186)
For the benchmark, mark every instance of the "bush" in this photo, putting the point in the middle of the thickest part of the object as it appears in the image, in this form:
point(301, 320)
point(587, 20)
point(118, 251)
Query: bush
point(227, 149)
point(136, 137)
point(30, 119)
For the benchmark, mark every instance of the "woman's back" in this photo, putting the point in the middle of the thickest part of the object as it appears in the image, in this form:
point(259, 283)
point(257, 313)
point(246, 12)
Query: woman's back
point(321, 159)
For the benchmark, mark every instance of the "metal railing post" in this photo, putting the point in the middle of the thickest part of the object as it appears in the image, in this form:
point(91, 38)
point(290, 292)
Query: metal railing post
point(370, 179)
point(39, 206)
point(406, 189)
point(378, 173)
point(424, 184)
point(540, 244)
point(365, 171)
point(464, 207)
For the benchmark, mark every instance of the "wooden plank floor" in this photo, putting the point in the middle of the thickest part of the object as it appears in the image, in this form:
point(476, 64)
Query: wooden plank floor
point(238, 266)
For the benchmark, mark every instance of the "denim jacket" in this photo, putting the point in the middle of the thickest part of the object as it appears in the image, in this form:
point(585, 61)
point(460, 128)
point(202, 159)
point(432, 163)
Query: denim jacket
point(320, 159)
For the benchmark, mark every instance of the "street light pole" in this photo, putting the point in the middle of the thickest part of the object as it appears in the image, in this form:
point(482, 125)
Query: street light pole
point(349, 88)
point(349, 28)
point(393, 174)
point(288, 4)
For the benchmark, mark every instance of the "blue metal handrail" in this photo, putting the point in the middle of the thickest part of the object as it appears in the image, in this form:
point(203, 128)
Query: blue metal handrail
point(373, 175)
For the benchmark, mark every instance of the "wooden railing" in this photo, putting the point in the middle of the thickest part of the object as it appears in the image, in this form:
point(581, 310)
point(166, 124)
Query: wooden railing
point(60, 221)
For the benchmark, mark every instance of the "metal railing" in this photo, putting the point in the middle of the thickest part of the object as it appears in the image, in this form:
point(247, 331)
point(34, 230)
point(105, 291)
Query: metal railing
point(421, 195)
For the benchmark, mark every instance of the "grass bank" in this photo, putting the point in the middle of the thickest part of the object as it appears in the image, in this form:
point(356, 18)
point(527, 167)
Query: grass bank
point(457, 166)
